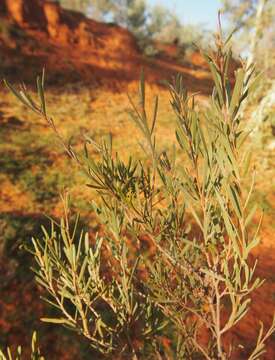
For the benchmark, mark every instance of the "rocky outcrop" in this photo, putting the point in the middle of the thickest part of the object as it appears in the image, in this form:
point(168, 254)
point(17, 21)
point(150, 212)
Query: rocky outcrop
point(40, 34)
point(84, 37)
point(56, 28)
point(26, 13)
point(70, 28)
point(53, 18)
point(17, 10)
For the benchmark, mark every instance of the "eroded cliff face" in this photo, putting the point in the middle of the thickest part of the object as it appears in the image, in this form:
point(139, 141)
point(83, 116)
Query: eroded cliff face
point(37, 34)
point(16, 9)
point(25, 13)
point(69, 28)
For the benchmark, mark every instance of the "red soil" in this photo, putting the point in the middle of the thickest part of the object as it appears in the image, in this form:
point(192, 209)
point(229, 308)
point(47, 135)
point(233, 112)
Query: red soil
point(73, 48)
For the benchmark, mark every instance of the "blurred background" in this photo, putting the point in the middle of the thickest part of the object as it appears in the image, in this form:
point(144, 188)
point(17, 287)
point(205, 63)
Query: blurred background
point(93, 52)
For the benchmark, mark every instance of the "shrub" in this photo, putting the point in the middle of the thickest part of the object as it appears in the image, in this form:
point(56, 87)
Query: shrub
point(171, 273)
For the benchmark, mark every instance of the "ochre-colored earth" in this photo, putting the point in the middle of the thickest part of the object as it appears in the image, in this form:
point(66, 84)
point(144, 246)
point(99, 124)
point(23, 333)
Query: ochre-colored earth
point(104, 58)
point(73, 48)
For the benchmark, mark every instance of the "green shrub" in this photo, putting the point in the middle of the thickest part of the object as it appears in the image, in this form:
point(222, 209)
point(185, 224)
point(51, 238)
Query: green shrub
point(170, 274)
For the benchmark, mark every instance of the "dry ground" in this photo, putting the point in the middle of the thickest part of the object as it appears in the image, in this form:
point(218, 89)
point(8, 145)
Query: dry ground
point(34, 170)
point(86, 93)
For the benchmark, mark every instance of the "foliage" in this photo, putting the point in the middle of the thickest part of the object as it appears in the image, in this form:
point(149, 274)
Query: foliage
point(242, 12)
point(161, 19)
point(131, 14)
point(175, 249)
point(165, 26)
point(254, 19)
point(156, 23)
point(35, 352)
point(79, 5)
point(128, 13)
